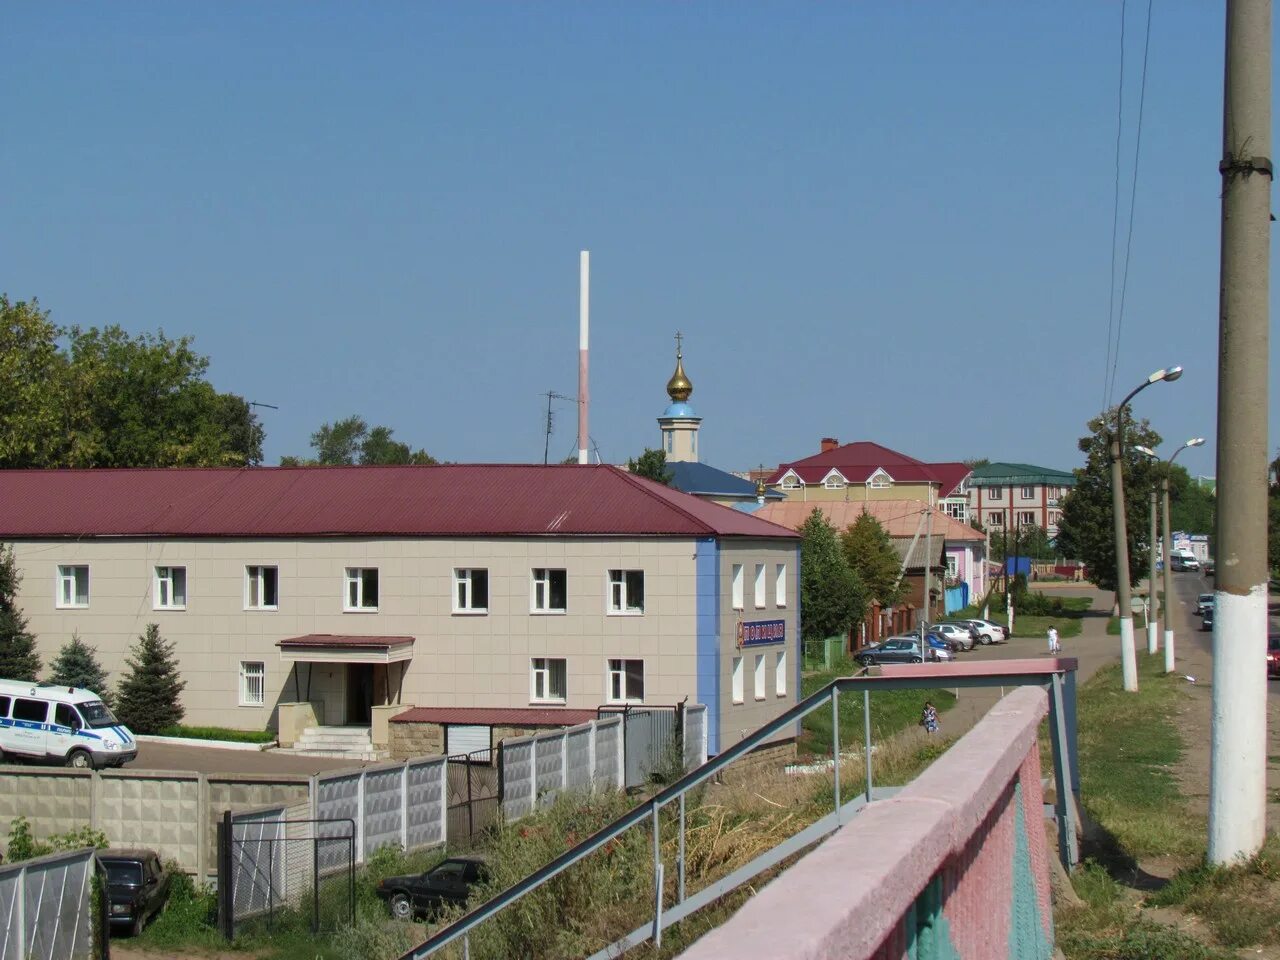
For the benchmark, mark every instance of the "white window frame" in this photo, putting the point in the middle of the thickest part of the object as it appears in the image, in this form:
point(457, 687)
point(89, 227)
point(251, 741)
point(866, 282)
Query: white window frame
point(953, 565)
point(879, 480)
point(544, 668)
point(759, 676)
point(760, 587)
point(165, 583)
point(780, 584)
point(64, 592)
point(737, 680)
point(995, 493)
point(1028, 493)
point(246, 676)
point(834, 482)
point(996, 518)
point(616, 672)
point(790, 482)
point(542, 577)
point(1026, 518)
point(617, 598)
point(780, 673)
point(464, 583)
point(254, 573)
point(354, 576)
point(738, 589)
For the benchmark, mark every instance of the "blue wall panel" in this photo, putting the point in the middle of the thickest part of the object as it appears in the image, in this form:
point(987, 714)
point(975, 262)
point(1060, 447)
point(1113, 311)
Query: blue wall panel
point(707, 571)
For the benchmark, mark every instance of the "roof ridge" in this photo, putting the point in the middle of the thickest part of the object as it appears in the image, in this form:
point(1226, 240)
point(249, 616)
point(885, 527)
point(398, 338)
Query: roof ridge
point(643, 485)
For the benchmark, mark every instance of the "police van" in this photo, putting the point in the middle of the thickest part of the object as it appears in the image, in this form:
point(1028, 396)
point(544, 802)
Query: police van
point(43, 722)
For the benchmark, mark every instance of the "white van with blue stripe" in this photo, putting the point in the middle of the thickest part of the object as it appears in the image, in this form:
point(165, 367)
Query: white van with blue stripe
point(43, 722)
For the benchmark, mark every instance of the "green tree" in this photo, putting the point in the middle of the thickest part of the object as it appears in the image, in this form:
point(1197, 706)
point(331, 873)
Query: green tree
point(18, 657)
point(868, 549)
point(1086, 531)
point(1191, 506)
point(77, 666)
point(832, 598)
point(651, 464)
point(32, 386)
point(349, 441)
point(148, 699)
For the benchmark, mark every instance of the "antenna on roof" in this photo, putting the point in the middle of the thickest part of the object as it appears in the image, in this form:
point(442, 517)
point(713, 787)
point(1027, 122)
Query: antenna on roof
point(546, 445)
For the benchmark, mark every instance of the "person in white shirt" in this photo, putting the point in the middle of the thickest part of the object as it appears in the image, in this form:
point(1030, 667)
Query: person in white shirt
point(1054, 645)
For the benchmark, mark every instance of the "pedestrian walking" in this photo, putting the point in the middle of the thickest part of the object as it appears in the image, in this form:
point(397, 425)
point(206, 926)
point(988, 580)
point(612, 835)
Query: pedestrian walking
point(929, 718)
point(1054, 645)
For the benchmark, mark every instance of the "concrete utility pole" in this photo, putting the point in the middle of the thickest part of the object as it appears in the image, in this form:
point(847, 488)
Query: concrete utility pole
point(1238, 760)
point(1168, 572)
point(1152, 593)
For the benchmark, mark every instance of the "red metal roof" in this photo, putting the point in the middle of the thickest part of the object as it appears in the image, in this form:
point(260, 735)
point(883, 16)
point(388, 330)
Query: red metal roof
point(341, 640)
point(453, 500)
point(497, 716)
point(858, 461)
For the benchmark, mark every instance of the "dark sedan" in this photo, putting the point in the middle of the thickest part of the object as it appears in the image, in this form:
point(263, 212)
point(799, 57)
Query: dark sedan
point(137, 887)
point(893, 650)
point(1273, 655)
point(423, 894)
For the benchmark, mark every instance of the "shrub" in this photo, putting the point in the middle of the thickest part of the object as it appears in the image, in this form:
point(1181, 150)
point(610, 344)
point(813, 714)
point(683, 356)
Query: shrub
point(77, 666)
point(148, 698)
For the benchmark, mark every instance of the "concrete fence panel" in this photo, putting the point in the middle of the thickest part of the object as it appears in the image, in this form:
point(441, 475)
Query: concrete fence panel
point(579, 757)
point(383, 808)
point(157, 810)
point(53, 801)
point(425, 800)
point(238, 792)
point(46, 908)
point(610, 762)
point(695, 736)
point(518, 773)
point(548, 761)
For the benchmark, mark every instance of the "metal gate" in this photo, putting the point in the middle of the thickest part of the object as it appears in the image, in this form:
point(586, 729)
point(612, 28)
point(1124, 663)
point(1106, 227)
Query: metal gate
point(473, 795)
point(274, 872)
point(651, 741)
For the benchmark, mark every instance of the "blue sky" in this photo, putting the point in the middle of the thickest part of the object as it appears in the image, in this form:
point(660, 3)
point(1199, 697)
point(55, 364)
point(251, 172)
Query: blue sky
point(871, 221)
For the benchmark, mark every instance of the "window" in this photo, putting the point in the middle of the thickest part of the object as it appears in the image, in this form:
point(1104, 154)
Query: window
point(791, 482)
point(737, 587)
point(1054, 517)
point(471, 590)
point(171, 588)
point(956, 509)
point(780, 673)
point(550, 588)
point(362, 589)
point(626, 681)
point(547, 679)
point(626, 591)
point(261, 588)
point(953, 565)
point(759, 676)
point(73, 586)
point(253, 683)
point(64, 715)
point(879, 479)
point(670, 442)
point(33, 711)
point(1026, 518)
point(737, 679)
point(996, 518)
point(995, 493)
point(759, 586)
point(835, 482)
point(4, 706)
point(780, 583)
point(1028, 493)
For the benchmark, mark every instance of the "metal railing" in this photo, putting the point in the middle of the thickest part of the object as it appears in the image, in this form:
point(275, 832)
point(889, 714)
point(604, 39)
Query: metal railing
point(1062, 735)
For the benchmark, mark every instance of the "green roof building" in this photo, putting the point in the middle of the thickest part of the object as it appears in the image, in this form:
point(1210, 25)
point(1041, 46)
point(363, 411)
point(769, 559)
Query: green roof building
point(1007, 495)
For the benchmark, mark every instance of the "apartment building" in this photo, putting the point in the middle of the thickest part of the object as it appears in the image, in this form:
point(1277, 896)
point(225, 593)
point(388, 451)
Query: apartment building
point(1008, 495)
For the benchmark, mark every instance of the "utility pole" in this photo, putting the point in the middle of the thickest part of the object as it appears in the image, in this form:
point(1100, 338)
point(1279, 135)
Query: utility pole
point(546, 443)
point(1153, 594)
point(1168, 572)
point(1238, 758)
point(1128, 658)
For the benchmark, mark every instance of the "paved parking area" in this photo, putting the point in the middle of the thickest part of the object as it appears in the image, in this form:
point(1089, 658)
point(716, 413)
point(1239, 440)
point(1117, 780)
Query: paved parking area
point(164, 756)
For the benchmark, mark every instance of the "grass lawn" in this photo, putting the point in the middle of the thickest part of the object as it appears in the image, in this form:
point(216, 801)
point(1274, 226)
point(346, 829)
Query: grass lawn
point(1069, 621)
point(218, 733)
point(891, 711)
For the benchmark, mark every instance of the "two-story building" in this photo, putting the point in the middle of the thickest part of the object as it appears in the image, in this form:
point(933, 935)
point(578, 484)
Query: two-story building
point(865, 471)
point(1009, 495)
point(453, 585)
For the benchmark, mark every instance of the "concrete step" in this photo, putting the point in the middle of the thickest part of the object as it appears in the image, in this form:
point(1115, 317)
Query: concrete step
point(367, 755)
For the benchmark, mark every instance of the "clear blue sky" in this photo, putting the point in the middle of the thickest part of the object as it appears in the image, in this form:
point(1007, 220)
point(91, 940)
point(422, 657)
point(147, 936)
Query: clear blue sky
point(872, 221)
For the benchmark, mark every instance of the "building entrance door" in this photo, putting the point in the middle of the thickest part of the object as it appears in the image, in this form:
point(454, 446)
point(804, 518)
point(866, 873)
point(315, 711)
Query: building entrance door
point(360, 693)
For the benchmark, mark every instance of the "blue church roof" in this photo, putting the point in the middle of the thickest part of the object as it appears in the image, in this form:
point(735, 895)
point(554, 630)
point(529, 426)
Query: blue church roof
point(680, 409)
point(702, 479)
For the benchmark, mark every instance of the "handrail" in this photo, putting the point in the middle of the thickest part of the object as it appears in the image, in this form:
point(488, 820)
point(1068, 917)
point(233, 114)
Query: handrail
point(649, 808)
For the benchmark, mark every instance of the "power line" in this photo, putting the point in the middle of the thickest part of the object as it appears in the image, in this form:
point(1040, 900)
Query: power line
point(1133, 193)
point(1115, 220)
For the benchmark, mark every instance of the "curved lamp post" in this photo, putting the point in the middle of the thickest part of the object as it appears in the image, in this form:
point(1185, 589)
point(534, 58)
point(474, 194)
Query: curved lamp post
point(1128, 655)
point(1152, 551)
point(1168, 546)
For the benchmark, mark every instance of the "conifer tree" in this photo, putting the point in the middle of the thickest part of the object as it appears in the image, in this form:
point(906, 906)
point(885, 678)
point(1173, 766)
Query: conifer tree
point(148, 697)
point(869, 550)
point(832, 597)
point(77, 666)
point(18, 657)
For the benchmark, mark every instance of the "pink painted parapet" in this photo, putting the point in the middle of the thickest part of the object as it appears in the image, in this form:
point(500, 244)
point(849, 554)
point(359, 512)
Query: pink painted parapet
point(956, 865)
point(982, 668)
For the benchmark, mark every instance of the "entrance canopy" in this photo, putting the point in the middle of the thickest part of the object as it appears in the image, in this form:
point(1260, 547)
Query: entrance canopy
point(340, 648)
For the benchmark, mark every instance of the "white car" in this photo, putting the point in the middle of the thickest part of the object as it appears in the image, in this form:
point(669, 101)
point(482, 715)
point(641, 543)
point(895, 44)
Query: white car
point(991, 632)
point(954, 633)
point(40, 721)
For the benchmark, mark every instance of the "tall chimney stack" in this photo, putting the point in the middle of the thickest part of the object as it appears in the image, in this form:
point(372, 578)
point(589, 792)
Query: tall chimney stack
point(584, 311)
point(829, 443)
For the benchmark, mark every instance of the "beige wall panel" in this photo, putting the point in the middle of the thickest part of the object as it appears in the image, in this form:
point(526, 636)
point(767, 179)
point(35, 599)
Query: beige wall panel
point(52, 802)
point(160, 813)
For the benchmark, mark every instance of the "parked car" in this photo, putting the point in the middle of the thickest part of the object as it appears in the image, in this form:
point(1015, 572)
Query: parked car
point(1273, 655)
point(1203, 603)
point(975, 635)
point(939, 649)
point(423, 894)
point(983, 631)
point(1206, 618)
point(960, 637)
point(893, 650)
point(137, 887)
point(1208, 567)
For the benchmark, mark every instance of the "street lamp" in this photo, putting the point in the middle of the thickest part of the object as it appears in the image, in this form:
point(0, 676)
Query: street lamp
point(1128, 656)
point(1168, 547)
point(1152, 550)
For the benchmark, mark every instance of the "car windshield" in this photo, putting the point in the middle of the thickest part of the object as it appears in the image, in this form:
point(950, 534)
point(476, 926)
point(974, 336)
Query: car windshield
point(123, 872)
point(450, 870)
point(1273, 641)
point(96, 714)
point(1206, 597)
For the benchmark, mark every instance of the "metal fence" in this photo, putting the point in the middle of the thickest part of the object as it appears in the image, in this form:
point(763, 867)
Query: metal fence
point(46, 908)
point(473, 800)
point(277, 871)
point(535, 769)
point(650, 741)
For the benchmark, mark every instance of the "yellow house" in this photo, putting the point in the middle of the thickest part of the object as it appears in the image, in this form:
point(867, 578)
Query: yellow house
point(866, 471)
